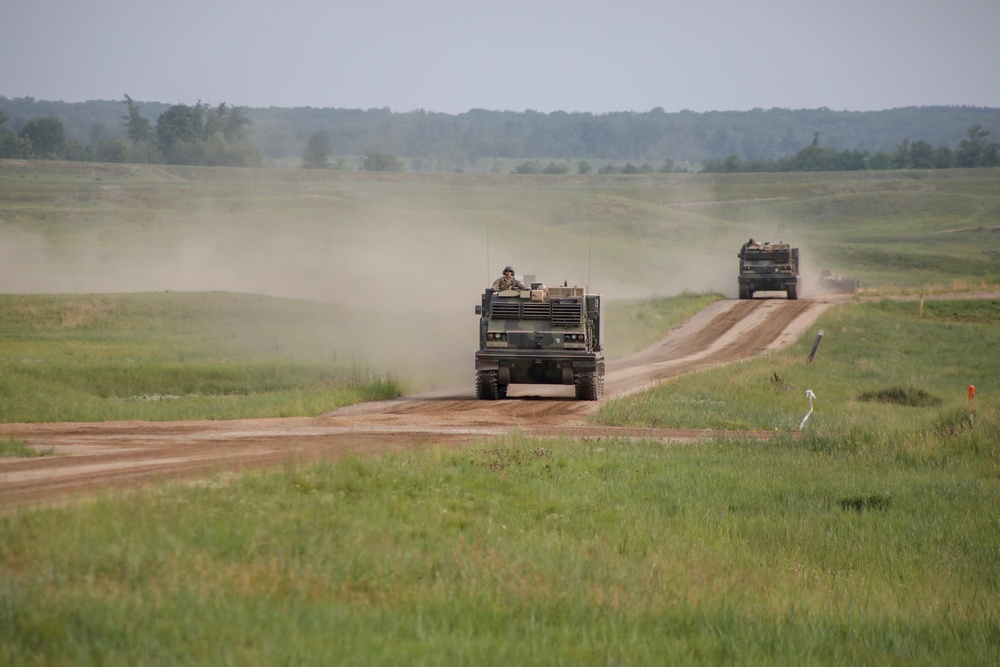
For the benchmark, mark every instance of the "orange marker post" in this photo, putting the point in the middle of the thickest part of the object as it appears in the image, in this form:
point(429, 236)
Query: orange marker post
point(972, 395)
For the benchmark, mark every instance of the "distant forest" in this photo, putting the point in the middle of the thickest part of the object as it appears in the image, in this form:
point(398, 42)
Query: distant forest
point(499, 141)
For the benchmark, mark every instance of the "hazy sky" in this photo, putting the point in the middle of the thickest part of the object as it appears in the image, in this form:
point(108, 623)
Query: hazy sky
point(547, 55)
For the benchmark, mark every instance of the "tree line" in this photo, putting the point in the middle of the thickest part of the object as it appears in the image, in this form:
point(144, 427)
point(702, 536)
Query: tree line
point(194, 135)
point(484, 140)
point(973, 151)
point(498, 141)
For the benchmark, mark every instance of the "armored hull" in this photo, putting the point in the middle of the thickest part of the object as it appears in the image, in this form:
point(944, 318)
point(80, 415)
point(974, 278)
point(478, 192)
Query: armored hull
point(768, 267)
point(540, 336)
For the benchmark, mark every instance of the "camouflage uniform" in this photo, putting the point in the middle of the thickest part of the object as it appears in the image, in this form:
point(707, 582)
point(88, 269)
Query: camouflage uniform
point(506, 282)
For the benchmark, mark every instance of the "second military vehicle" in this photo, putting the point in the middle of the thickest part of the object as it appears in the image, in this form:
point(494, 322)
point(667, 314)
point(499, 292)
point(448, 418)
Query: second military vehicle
point(831, 282)
point(542, 335)
point(768, 267)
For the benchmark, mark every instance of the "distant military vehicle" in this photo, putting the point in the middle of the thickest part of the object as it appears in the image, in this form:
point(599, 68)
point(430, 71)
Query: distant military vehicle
point(768, 267)
point(831, 282)
point(542, 335)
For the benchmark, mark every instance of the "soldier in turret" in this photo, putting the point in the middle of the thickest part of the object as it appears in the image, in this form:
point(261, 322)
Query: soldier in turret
point(508, 282)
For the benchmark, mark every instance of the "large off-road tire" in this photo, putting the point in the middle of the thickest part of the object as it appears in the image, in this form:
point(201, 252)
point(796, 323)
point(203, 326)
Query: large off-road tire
point(486, 386)
point(793, 292)
point(744, 292)
point(502, 390)
point(587, 386)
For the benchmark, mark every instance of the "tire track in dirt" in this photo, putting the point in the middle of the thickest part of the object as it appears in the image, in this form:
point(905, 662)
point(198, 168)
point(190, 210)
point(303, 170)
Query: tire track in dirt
point(99, 457)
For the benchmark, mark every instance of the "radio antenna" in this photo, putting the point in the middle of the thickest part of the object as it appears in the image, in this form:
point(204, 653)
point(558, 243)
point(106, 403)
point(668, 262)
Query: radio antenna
point(590, 253)
point(488, 274)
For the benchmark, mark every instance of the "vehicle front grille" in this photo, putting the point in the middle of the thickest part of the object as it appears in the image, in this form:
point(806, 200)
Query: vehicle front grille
point(567, 314)
point(506, 310)
point(561, 314)
point(537, 311)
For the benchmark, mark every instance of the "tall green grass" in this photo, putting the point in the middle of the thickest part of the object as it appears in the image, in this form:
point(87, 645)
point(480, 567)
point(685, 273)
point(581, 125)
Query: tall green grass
point(522, 551)
point(176, 356)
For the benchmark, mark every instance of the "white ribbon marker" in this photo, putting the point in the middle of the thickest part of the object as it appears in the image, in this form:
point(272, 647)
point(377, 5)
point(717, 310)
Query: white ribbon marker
point(811, 395)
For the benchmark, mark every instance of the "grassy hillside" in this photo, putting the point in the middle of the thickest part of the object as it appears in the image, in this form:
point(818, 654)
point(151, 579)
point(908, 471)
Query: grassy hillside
point(410, 254)
point(372, 240)
point(871, 537)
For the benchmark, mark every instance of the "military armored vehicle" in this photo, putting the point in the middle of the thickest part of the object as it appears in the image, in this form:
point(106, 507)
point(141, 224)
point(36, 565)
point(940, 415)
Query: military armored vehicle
point(831, 282)
point(768, 267)
point(542, 335)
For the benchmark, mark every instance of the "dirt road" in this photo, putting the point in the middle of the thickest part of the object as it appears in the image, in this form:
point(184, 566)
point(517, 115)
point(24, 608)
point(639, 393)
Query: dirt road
point(96, 457)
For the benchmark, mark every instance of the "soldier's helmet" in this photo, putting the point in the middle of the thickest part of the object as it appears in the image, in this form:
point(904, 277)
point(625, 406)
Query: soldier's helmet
point(508, 268)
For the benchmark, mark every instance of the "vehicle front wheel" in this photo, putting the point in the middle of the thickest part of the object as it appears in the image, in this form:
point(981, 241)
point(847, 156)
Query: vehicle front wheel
point(587, 387)
point(486, 386)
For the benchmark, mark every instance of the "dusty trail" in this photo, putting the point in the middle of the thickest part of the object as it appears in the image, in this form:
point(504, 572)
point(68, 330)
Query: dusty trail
point(95, 457)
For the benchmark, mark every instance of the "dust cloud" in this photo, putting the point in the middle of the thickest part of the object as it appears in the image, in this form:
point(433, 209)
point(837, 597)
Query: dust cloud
point(419, 286)
point(417, 265)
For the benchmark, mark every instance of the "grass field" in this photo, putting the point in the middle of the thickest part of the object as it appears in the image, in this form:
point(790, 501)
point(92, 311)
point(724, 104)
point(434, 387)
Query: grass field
point(882, 368)
point(177, 356)
point(871, 536)
point(520, 552)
